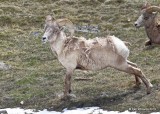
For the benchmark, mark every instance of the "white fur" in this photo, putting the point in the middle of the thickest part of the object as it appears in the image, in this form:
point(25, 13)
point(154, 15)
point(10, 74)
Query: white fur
point(139, 21)
point(121, 47)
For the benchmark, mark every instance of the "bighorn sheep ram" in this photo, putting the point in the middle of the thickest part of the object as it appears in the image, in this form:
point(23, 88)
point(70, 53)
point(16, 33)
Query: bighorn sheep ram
point(149, 20)
point(94, 54)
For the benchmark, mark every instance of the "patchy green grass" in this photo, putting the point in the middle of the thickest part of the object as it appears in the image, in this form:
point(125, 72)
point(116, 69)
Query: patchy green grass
point(37, 77)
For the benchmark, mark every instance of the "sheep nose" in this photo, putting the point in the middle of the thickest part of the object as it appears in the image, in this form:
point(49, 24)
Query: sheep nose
point(44, 38)
point(135, 24)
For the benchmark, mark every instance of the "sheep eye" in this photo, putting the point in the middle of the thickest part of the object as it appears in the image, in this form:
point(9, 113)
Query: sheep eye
point(55, 30)
point(146, 18)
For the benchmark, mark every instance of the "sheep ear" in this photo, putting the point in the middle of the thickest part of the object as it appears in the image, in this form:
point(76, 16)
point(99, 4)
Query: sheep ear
point(145, 5)
point(49, 19)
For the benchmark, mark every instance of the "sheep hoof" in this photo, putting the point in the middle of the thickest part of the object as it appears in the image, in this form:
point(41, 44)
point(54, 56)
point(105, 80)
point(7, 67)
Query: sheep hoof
point(149, 88)
point(150, 85)
point(70, 91)
point(68, 97)
point(148, 91)
point(138, 84)
point(65, 98)
point(148, 43)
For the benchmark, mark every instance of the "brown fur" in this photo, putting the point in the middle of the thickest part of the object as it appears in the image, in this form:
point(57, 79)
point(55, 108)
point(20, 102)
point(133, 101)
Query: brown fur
point(152, 24)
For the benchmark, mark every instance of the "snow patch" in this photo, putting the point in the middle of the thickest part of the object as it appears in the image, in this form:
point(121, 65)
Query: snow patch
point(87, 110)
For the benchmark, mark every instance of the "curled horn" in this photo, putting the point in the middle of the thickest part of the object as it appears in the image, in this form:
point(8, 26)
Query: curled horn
point(67, 23)
point(145, 6)
point(153, 9)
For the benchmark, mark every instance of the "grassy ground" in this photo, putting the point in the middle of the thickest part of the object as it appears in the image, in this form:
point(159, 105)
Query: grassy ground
point(36, 77)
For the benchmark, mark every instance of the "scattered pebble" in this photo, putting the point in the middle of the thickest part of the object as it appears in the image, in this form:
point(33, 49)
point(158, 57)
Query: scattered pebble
point(22, 102)
point(4, 66)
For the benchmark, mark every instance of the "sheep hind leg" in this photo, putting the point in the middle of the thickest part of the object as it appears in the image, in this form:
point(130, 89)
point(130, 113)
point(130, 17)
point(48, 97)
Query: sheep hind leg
point(131, 63)
point(138, 80)
point(136, 71)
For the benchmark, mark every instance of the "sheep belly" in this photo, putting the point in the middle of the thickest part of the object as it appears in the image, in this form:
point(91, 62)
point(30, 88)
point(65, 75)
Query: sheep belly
point(156, 40)
point(96, 60)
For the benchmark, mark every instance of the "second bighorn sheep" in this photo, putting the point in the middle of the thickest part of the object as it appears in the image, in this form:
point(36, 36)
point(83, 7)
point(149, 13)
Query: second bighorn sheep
point(149, 20)
point(94, 54)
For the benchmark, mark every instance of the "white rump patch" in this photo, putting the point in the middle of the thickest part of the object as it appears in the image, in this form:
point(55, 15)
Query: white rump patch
point(121, 47)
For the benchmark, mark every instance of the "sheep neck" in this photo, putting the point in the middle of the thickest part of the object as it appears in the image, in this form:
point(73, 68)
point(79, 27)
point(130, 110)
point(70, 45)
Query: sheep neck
point(151, 30)
point(57, 45)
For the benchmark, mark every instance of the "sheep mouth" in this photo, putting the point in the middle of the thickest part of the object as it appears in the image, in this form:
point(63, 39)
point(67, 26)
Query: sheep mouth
point(44, 41)
point(137, 26)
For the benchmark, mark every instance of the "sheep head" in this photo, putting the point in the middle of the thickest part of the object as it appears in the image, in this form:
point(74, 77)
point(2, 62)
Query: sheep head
point(147, 17)
point(54, 26)
point(52, 30)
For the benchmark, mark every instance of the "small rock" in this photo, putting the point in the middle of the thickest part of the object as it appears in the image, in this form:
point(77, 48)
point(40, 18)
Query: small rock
point(22, 102)
point(128, 19)
point(4, 66)
point(36, 34)
point(103, 94)
point(60, 95)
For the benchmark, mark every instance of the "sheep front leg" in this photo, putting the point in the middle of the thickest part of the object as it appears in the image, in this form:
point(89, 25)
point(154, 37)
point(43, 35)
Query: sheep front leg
point(67, 83)
point(148, 43)
point(138, 81)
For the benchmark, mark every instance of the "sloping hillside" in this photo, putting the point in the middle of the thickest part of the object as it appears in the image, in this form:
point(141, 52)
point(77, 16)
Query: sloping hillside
point(36, 77)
